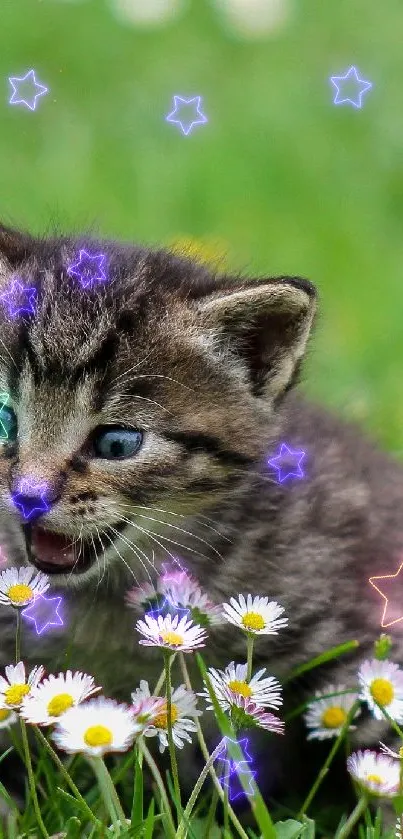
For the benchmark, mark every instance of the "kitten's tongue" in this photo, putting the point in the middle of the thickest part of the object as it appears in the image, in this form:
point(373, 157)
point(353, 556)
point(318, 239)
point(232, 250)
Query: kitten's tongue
point(52, 548)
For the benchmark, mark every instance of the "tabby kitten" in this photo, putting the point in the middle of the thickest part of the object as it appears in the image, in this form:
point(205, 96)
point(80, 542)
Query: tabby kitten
point(149, 404)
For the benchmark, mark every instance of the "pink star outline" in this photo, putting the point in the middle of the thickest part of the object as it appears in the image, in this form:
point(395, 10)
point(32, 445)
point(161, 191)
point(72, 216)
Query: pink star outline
point(386, 599)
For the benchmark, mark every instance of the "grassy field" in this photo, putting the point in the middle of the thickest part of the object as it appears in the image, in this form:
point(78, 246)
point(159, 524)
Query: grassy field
point(287, 180)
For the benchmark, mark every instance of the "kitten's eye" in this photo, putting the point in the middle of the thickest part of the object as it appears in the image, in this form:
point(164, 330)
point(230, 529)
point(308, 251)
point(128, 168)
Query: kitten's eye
point(8, 425)
point(115, 443)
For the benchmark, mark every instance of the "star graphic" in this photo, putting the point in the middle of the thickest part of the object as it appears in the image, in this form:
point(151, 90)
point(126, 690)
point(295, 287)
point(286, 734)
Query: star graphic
point(354, 85)
point(395, 591)
point(89, 268)
point(233, 769)
point(44, 612)
point(186, 125)
point(31, 498)
point(286, 461)
point(31, 85)
point(19, 299)
point(4, 398)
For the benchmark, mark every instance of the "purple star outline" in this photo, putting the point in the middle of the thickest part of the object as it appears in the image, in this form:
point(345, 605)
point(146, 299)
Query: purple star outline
point(12, 299)
point(31, 489)
point(286, 454)
point(4, 397)
point(233, 769)
point(365, 86)
point(88, 273)
point(36, 86)
point(41, 620)
point(187, 127)
point(168, 604)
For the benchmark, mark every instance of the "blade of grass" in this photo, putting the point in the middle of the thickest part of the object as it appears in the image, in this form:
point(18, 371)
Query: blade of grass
point(328, 655)
point(257, 804)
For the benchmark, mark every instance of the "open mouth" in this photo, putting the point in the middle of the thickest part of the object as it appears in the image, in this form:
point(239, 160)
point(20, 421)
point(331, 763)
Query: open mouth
point(54, 553)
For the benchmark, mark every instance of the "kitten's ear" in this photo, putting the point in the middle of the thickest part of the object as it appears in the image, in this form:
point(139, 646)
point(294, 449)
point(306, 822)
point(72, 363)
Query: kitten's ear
point(267, 322)
point(14, 246)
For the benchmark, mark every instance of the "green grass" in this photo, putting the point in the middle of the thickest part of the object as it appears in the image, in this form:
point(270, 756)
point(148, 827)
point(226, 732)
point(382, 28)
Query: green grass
point(289, 181)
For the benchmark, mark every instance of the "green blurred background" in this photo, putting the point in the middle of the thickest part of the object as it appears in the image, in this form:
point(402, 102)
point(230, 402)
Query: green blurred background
point(281, 178)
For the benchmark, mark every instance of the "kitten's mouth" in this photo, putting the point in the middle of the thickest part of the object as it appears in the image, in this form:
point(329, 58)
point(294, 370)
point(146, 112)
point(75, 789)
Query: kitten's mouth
point(54, 553)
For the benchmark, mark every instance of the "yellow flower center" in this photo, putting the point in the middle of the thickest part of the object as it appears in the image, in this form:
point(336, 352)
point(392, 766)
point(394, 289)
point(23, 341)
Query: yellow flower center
point(4, 714)
point(240, 687)
point(20, 593)
point(334, 717)
point(401, 751)
point(172, 638)
point(374, 779)
point(161, 720)
point(98, 735)
point(253, 621)
point(15, 694)
point(382, 691)
point(60, 703)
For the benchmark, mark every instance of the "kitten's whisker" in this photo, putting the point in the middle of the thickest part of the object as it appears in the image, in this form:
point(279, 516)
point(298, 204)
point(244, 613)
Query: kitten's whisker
point(187, 532)
point(180, 515)
point(113, 545)
point(153, 402)
point(158, 376)
point(8, 353)
point(172, 541)
point(126, 372)
point(136, 550)
point(96, 557)
point(103, 557)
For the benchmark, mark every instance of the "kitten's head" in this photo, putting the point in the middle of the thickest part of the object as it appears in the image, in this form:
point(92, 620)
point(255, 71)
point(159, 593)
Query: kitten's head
point(151, 391)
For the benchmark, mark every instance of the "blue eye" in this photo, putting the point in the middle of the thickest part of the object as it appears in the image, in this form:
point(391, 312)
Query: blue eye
point(8, 424)
point(115, 443)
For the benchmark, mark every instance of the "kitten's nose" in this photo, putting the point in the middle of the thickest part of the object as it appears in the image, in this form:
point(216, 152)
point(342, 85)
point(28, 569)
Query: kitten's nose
point(33, 498)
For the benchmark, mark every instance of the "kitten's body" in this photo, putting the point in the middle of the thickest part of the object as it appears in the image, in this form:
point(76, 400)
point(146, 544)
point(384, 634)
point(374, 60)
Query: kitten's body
point(215, 401)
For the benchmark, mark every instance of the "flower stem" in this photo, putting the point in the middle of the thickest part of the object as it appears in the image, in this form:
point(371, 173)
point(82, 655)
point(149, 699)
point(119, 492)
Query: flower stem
point(390, 720)
point(171, 745)
point(104, 783)
point(158, 780)
point(323, 771)
point(161, 678)
point(31, 779)
point(63, 771)
point(249, 643)
point(18, 637)
point(353, 818)
point(197, 787)
point(205, 752)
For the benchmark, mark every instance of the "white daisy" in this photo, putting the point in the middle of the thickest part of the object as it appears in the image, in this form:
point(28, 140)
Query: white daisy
point(7, 717)
point(183, 706)
point(265, 692)
point(245, 713)
point(146, 706)
point(377, 773)
point(16, 686)
point(255, 614)
point(182, 590)
point(96, 727)
point(19, 586)
point(327, 716)
point(382, 682)
point(171, 633)
point(140, 597)
point(55, 695)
